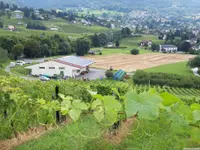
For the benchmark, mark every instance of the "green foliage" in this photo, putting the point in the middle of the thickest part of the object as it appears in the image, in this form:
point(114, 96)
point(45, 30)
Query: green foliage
point(1, 24)
point(165, 79)
point(82, 46)
point(17, 50)
point(134, 51)
point(117, 44)
point(3, 56)
point(109, 74)
point(95, 40)
point(194, 62)
point(155, 47)
point(198, 71)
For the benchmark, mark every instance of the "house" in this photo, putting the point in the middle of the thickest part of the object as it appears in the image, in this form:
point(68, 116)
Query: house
point(146, 43)
point(54, 29)
point(168, 48)
point(11, 28)
point(17, 14)
point(70, 66)
point(110, 44)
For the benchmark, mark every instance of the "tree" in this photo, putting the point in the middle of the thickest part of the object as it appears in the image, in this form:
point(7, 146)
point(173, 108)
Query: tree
point(155, 47)
point(32, 48)
point(17, 50)
point(126, 32)
point(194, 62)
point(185, 46)
point(103, 39)
point(1, 24)
point(117, 44)
point(65, 48)
point(134, 51)
point(95, 40)
point(82, 46)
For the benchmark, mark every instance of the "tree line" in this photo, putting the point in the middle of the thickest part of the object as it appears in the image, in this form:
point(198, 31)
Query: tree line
point(36, 26)
point(43, 46)
point(165, 79)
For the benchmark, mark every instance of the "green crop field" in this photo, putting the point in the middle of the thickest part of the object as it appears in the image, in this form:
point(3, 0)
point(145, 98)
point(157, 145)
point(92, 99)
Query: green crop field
point(175, 68)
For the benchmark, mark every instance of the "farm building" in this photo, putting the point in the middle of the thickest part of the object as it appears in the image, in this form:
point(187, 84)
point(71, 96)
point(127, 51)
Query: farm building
point(168, 48)
point(71, 66)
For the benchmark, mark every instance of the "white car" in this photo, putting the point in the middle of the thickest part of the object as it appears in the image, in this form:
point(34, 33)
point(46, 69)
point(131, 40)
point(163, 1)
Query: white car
point(43, 78)
point(20, 63)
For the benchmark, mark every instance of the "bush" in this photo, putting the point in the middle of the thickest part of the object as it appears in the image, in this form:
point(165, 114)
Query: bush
point(165, 79)
point(198, 71)
point(194, 62)
point(134, 51)
point(109, 74)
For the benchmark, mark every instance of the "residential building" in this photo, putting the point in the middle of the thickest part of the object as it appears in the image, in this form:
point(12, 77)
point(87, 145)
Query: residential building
point(17, 14)
point(70, 66)
point(168, 48)
point(146, 43)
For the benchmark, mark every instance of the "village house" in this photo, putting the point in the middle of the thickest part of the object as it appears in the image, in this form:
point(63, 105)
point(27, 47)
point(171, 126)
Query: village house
point(70, 66)
point(146, 43)
point(17, 14)
point(168, 48)
point(11, 28)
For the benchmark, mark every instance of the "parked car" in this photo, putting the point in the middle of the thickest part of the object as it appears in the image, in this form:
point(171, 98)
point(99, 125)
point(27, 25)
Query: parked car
point(43, 78)
point(20, 63)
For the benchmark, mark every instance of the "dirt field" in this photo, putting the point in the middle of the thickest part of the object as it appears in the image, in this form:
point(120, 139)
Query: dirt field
point(131, 63)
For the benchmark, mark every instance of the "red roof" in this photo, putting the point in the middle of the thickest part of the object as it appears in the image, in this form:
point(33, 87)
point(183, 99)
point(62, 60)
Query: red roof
point(67, 63)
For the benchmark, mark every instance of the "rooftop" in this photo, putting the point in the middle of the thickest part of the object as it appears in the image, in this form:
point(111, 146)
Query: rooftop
point(75, 61)
point(168, 46)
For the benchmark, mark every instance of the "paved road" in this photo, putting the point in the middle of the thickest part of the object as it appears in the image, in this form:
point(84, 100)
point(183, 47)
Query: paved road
point(7, 69)
point(94, 74)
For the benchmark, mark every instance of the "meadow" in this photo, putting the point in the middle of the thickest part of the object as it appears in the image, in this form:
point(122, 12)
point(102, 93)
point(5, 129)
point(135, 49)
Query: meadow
point(175, 68)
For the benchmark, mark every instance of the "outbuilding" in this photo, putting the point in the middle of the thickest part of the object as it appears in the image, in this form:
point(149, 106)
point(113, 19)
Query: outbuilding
point(71, 66)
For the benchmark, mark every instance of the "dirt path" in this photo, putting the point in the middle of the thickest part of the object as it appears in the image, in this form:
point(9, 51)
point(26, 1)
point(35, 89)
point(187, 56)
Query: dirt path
point(119, 135)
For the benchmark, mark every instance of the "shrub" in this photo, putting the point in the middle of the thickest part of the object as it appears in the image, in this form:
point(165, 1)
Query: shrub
point(109, 74)
point(134, 51)
point(165, 79)
point(194, 62)
point(198, 71)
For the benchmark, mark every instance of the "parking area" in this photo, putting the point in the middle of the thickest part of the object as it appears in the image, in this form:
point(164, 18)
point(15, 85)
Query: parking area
point(93, 74)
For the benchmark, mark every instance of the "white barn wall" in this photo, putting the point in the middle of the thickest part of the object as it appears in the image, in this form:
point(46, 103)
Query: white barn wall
point(68, 71)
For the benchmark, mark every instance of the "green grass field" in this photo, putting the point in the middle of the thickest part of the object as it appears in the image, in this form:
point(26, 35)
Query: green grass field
point(20, 70)
point(130, 43)
point(176, 68)
point(66, 28)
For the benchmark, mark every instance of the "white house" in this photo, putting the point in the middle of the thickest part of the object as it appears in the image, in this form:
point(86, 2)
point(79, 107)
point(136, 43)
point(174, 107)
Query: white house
point(18, 14)
point(168, 48)
point(71, 66)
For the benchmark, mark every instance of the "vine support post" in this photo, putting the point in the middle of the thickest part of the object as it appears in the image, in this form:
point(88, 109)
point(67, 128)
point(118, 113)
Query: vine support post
point(57, 112)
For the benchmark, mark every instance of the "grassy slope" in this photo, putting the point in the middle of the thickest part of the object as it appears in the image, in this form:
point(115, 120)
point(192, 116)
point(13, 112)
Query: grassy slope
point(130, 43)
point(20, 70)
point(66, 28)
point(159, 138)
point(67, 137)
point(177, 68)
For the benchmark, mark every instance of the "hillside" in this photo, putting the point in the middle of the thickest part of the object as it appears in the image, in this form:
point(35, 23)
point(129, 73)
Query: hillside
point(135, 3)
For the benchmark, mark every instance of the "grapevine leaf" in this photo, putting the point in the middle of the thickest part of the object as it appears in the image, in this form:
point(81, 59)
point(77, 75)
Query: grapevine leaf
point(196, 116)
point(96, 103)
point(111, 103)
point(41, 101)
point(78, 104)
point(111, 116)
point(75, 114)
point(195, 106)
point(195, 134)
point(98, 96)
point(65, 106)
point(99, 114)
point(178, 124)
point(169, 99)
point(146, 104)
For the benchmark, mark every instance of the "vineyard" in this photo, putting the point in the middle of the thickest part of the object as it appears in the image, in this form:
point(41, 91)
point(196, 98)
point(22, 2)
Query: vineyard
point(96, 108)
point(188, 95)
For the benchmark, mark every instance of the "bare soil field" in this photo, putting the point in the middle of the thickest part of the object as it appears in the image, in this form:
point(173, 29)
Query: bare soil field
point(131, 63)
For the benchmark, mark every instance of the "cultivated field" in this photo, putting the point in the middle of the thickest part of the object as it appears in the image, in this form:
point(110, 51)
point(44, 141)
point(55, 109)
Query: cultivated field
point(131, 63)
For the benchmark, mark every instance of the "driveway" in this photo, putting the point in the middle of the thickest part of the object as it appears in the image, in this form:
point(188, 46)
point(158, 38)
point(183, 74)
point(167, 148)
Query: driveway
point(93, 74)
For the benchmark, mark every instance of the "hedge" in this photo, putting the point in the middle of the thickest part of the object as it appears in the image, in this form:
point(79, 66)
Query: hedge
point(165, 79)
